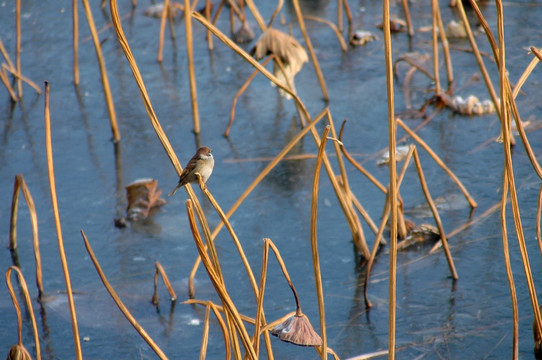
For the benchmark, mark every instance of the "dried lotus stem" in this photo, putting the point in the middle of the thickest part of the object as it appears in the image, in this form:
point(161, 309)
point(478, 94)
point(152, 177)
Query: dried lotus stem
point(163, 19)
point(20, 184)
point(160, 271)
point(24, 289)
point(118, 301)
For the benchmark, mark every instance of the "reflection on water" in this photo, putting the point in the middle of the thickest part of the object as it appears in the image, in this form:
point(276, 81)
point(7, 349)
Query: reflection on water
point(436, 317)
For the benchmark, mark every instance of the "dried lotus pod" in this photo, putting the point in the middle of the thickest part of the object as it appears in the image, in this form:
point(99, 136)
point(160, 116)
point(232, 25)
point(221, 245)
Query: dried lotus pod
point(362, 37)
point(297, 330)
point(18, 352)
point(142, 196)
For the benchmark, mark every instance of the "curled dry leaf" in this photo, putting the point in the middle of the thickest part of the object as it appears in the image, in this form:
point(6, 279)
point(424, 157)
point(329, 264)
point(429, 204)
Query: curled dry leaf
point(362, 37)
point(400, 154)
point(469, 106)
point(142, 195)
point(419, 235)
point(156, 10)
point(456, 30)
point(291, 54)
point(18, 352)
point(297, 330)
point(396, 25)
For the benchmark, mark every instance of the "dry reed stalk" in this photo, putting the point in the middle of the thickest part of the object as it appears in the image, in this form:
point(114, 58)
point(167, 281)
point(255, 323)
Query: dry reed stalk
point(435, 216)
point(275, 13)
point(60, 240)
point(437, 159)
point(434, 37)
point(406, 10)
point(445, 49)
point(340, 15)
point(392, 138)
point(208, 16)
point(6, 55)
point(228, 304)
point(363, 213)
point(241, 91)
point(5, 80)
point(505, 126)
point(538, 214)
point(256, 14)
point(18, 45)
point(348, 17)
point(311, 49)
point(205, 334)
point(536, 52)
point(314, 242)
point(219, 308)
point(223, 328)
point(358, 165)
point(191, 72)
point(240, 250)
point(75, 30)
point(20, 184)
point(28, 301)
point(528, 70)
point(508, 266)
point(331, 25)
point(103, 73)
point(165, 13)
point(22, 77)
point(160, 271)
point(119, 302)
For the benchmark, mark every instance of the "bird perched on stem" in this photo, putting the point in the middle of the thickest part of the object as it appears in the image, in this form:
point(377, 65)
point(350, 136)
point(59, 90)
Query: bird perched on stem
point(201, 163)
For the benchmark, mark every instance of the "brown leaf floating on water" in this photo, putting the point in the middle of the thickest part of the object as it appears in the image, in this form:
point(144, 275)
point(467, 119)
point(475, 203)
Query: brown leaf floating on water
point(297, 330)
point(287, 49)
point(419, 235)
point(142, 196)
point(396, 25)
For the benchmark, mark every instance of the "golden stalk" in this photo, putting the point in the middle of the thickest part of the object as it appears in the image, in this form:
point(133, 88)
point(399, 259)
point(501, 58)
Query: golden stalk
point(434, 29)
point(20, 76)
point(526, 73)
point(205, 334)
point(508, 266)
point(75, 30)
point(437, 159)
point(52, 187)
point(160, 271)
point(20, 184)
point(18, 45)
point(6, 55)
point(5, 80)
point(118, 301)
point(191, 71)
point(314, 243)
point(407, 17)
point(392, 130)
point(255, 13)
point(241, 91)
point(538, 215)
point(445, 48)
point(435, 215)
point(24, 289)
point(162, 29)
point(311, 49)
point(103, 73)
point(219, 308)
point(332, 26)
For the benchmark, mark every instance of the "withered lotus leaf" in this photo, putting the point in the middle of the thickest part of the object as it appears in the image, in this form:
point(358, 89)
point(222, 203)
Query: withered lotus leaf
point(142, 196)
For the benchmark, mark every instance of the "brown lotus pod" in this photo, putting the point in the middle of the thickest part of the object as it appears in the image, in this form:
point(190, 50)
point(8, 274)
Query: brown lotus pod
point(142, 196)
point(297, 330)
point(18, 352)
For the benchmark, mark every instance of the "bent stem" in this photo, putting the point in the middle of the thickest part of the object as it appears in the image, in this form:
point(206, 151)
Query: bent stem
point(18, 185)
point(160, 271)
point(119, 302)
point(60, 240)
point(24, 289)
point(314, 243)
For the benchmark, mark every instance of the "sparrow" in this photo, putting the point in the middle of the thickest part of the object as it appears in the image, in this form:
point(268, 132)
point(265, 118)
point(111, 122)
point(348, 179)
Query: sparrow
point(201, 163)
